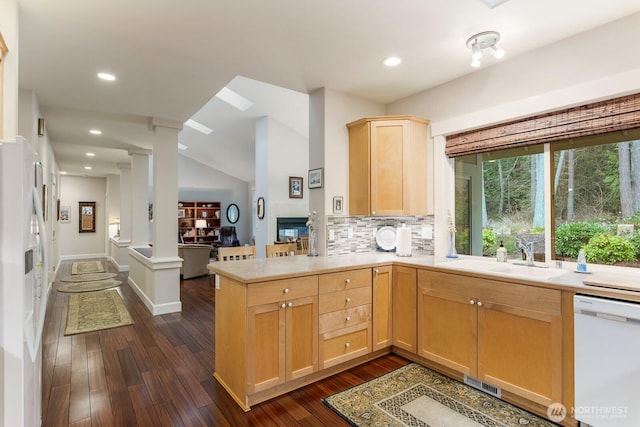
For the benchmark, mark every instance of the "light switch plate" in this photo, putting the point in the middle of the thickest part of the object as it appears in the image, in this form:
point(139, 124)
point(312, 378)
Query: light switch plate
point(427, 232)
point(350, 233)
point(332, 234)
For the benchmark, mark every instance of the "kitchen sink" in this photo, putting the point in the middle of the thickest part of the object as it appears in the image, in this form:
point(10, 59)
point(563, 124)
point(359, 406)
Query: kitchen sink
point(515, 269)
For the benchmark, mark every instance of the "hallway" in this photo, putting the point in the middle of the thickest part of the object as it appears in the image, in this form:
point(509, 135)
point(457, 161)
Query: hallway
point(158, 372)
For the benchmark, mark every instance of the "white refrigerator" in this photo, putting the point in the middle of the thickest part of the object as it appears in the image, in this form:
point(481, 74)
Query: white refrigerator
point(24, 285)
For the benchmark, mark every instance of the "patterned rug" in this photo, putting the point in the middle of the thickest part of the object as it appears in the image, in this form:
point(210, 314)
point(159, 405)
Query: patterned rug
point(93, 311)
point(97, 285)
point(83, 267)
point(416, 396)
point(90, 277)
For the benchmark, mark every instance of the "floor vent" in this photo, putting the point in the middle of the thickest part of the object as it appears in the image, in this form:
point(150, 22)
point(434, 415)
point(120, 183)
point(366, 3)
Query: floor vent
point(482, 386)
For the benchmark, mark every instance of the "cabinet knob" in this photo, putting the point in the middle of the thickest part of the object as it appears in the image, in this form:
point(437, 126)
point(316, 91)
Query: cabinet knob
point(472, 302)
point(347, 318)
point(346, 345)
point(285, 291)
point(283, 305)
point(348, 299)
point(375, 270)
point(373, 212)
point(347, 281)
point(479, 303)
point(290, 304)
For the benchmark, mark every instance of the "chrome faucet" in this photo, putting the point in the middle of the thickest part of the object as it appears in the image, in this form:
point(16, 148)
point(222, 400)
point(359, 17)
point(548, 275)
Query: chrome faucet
point(527, 248)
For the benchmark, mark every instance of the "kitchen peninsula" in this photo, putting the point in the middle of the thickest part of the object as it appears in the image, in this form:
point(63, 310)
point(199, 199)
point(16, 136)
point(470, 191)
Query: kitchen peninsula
point(287, 322)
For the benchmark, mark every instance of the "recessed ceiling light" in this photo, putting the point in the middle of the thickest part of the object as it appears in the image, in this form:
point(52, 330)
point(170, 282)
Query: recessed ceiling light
point(88, 168)
point(392, 61)
point(63, 172)
point(106, 76)
point(95, 132)
point(233, 99)
point(182, 146)
point(91, 154)
point(198, 126)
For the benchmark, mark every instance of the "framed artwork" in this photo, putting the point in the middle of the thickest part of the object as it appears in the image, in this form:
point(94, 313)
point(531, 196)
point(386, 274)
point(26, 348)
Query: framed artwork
point(337, 204)
point(233, 213)
point(260, 208)
point(181, 213)
point(65, 213)
point(295, 187)
point(87, 217)
point(315, 178)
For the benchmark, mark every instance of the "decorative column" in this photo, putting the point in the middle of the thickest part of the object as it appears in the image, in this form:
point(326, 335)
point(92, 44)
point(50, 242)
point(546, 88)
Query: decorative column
point(155, 272)
point(139, 197)
point(119, 245)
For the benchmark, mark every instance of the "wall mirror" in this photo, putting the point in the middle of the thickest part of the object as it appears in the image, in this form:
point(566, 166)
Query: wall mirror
point(87, 217)
point(233, 213)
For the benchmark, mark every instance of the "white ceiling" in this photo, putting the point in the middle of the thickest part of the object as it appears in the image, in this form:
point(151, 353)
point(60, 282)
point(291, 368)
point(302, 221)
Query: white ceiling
point(171, 58)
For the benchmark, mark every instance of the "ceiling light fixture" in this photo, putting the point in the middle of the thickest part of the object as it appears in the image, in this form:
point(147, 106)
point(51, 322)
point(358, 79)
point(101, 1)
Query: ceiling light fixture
point(95, 132)
point(106, 76)
point(88, 168)
point(485, 40)
point(392, 61)
point(63, 172)
point(91, 154)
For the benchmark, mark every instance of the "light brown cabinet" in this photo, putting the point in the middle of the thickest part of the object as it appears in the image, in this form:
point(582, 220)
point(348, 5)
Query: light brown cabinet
point(404, 308)
point(382, 306)
point(504, 334)
point(282, 328)
point(388, 166)
point(345, 316)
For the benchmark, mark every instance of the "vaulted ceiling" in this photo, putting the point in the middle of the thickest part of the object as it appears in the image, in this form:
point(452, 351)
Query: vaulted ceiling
point(171, 58)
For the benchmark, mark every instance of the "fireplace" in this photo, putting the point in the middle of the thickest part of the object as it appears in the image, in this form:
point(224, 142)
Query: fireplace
point(291, 228)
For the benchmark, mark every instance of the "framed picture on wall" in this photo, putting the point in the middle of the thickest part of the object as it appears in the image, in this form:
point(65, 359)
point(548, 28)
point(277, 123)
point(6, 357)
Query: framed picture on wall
point(315, 178)
point(65, 213)
point(295, 187)
point(87, 217)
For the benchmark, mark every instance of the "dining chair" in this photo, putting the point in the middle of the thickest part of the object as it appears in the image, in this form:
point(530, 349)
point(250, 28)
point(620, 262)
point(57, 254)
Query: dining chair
point(281, 250)
point(304, 245)
point(236, 253)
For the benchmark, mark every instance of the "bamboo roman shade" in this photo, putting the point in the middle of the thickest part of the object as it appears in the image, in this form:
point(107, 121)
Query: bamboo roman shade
point(591, 119)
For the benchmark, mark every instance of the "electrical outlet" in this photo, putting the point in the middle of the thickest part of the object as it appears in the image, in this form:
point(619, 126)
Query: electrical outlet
point(217, 280)
point(427, 232)
point(374, 232)
point(332, 234)
point(350, 233)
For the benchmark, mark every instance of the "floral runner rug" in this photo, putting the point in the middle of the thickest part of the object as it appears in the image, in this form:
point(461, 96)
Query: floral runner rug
point(97, 285)
point(417, 396)
point(93, 311)
point(83, 267)
point(88, 277)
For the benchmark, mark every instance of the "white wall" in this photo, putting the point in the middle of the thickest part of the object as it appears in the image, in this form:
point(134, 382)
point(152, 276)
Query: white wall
point(200, 182)
point(74, 244)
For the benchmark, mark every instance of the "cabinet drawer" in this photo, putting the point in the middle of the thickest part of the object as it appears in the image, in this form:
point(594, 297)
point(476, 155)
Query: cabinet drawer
point(344, 299)
point(334, 282)
point(340, 346)
point(281, 290)
point(345, 318)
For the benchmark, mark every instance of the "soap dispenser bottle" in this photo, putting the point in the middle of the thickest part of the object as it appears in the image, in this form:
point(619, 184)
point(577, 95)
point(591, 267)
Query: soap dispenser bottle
point(501, 253)
point(582, 262)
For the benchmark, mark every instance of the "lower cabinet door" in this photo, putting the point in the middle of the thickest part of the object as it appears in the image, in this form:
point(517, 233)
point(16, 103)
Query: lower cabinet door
point(404, 308)
point(382, 332)
point(301, 337)
point(447, 330)
point(266, 331)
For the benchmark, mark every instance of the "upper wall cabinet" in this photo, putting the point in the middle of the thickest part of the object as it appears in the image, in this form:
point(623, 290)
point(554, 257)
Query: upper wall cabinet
point(388, 166)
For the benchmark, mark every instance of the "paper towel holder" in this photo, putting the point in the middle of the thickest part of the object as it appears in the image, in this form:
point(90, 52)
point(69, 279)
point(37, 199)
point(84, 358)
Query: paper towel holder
point(403, 241)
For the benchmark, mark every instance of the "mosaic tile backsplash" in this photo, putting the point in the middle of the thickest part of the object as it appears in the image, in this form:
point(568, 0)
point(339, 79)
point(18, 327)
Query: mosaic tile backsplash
point(364, 229)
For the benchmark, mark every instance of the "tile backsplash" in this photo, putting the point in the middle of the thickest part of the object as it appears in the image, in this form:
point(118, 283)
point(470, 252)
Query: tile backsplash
point(364, 228)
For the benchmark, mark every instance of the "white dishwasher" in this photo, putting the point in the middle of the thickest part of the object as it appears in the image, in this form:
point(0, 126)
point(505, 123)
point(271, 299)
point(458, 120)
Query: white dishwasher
point(607, 362)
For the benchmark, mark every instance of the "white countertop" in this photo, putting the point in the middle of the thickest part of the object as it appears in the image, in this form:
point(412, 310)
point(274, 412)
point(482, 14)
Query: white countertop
point(260, 270)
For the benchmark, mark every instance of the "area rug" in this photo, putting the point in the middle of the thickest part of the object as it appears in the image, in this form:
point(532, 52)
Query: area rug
point(83, 267)
point(90, 277)
point(97, 285)
point(416, 396)
point(93, 311)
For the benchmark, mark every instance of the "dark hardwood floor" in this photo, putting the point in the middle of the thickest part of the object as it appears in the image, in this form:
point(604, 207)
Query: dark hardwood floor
point(158, 372)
